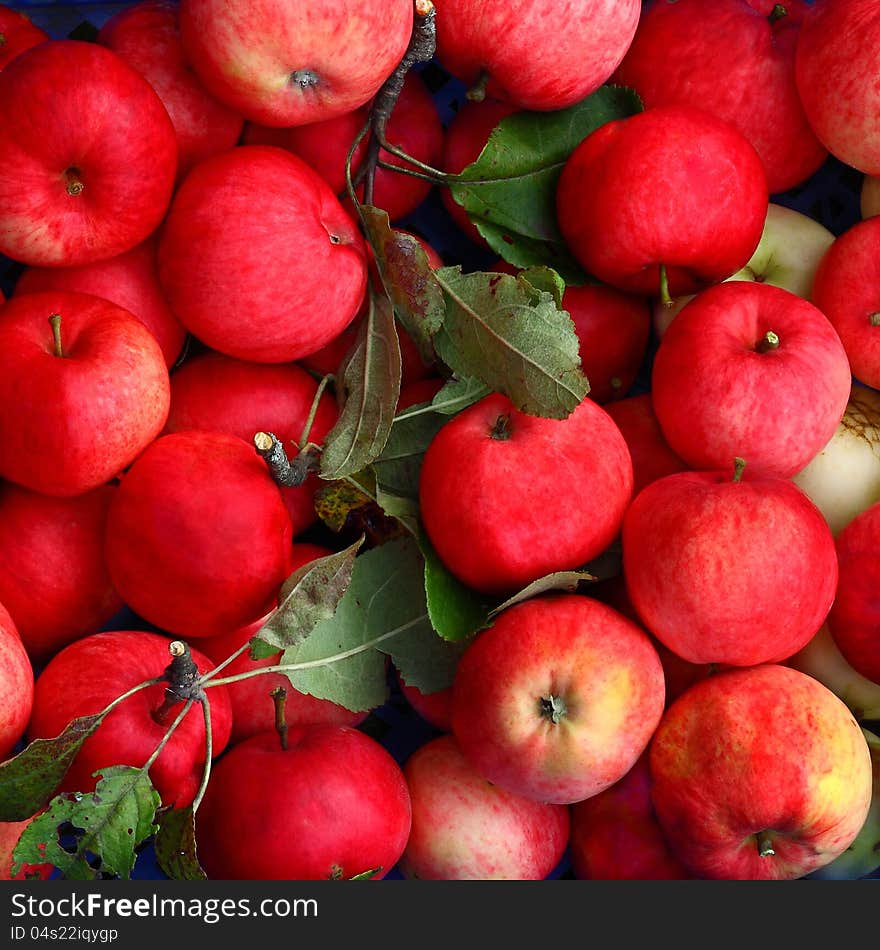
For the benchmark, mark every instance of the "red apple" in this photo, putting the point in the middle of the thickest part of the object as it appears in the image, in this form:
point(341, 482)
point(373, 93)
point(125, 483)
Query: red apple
point(219, 393)
point(16, 685)
point(129, 279)
point(198, 536)
point(418, 391)
point(558, 698)
point(258, 258)
point(53, 577)
point(19, 33)
point(672, 186)
point(435, 708)
point(414, 126)
point(836, 75)
point(750, 370)
point(491, 497)
point(536, 55)
point(80, 409)
point(467, 829)
point(284, 64)
point(651, 456)
point(147, 36)
point(615, 835)
point(728, 568)
point(331, 805)
point(759, 774)
point(728, 58)
point(85, 175)
point(854, 620)
point(85, 676)
point(846, 288)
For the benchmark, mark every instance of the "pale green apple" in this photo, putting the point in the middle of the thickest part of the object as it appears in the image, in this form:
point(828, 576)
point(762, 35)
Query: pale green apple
point(862, 857)
point(843, 479)
point(791, 246)
point(821, 659)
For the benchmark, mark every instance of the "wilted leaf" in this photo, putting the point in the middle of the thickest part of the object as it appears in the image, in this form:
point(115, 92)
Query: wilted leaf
point(369, 388)
point(175, 845)
point(108, 825)
point(511, 336)
point(29, 779)
point(509, 192)
point(456, 611)
point(307, 598)
point(335, 501)
point(385, 600)
point(408, 279)
point(560, 580)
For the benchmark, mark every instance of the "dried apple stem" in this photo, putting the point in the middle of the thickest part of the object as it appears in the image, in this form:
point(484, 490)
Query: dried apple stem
point(874, 319)
point(765, 844)
point(286, 472)
point(279, 697)
point(739, 465)
point(55, 323)
point(777, 13)
point(768, 342)
point(665, 296)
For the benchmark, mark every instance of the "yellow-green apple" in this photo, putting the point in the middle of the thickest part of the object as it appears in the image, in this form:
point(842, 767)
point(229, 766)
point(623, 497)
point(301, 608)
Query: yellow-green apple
point(16, 684)
point(651, 456)
point(869, 196)
point(465, 136)
point(750, 370)
point(147, 36)
point(18, 33)
point(759, 773)
point(219, 393)
point(86, 175)
point(846, 288)
point(728, 567)
point(281, 63)
point(726, 57)
point(557, 699)
point(84, 386)
point(129, 279)
point(88, 674)
point(258, 258)
point(613, 330)
point(843, 479)
point(537, 55)
point(615, 835)
point(53, 577)
point(330, 803)
point(467, 829)
point(854, 619)
point(198, 536)
point(253, 709)
point(665, 201)
point(497, 519)
point(821, 658)
point(791, 246)
point(836, 75)
point(414, 126)
point(862, 857)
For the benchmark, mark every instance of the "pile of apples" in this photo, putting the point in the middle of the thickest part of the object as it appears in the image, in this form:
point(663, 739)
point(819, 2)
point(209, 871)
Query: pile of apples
point(191, 269)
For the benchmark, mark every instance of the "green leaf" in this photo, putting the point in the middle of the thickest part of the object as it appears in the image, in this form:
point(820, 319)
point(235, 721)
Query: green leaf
point(397, 468)
point(545, 278)
point(407, 277)
point(108, 825)
point(369, 388)
point(175, 845)
point(307, 598)
point(28, 780)
point(511, 336)
point(456, 611)
point(560, 580)
point(509, 192)
point(385, 600)
point(458, 393)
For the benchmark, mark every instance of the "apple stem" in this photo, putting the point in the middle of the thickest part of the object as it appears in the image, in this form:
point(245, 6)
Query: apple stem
point(765, 845)
point(768, 342)
point(500, 431)
point(874, 319)
point(739, 465)
point(279, 697)
point(553, 708)
point(183, 678)
point(777, 13)
point(665, 296)
point(477, 92)
point(74, 184)
point(313, 409)
point(286, 473)
point(55, 323)
point(209, 754)
point(169, 732)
